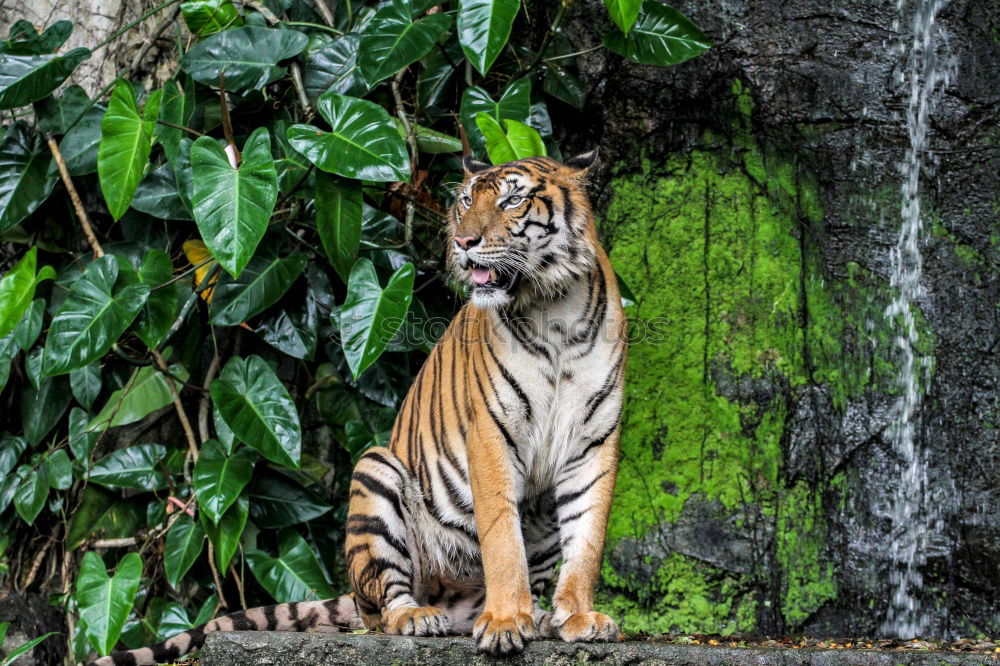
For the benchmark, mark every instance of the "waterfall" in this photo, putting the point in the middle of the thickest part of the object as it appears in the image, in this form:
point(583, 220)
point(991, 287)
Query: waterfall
point(914, 517)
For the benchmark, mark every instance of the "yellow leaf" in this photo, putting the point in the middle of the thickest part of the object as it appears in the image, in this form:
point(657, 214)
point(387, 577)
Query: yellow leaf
point(197, 252)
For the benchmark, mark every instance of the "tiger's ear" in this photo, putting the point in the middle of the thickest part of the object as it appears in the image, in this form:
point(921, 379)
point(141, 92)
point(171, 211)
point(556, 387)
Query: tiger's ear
point(581, 163)
point(472, 165)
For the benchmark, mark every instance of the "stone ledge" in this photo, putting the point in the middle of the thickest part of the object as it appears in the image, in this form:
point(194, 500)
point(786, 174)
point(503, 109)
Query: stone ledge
point(266, 648)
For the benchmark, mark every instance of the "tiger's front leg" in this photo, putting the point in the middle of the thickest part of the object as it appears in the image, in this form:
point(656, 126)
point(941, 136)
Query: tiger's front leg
point(583, 501)
point(506, 623)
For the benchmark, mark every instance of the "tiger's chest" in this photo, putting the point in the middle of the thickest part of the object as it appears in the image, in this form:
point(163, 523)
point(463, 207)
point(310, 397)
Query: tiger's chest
point(563, 392)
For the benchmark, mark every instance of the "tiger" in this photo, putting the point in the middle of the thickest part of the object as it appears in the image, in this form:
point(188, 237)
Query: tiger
point(503, 456)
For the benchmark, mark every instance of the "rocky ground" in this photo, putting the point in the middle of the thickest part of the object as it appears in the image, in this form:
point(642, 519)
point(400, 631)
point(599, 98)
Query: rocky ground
point(259, 648)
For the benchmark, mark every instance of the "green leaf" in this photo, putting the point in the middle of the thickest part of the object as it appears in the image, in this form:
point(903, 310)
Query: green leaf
point(28, 78)
point(362, 142)
point(207, 17)
point(334, 68)
point(81, 441)
point(28, 329)
point(25, 180)
point(484, 28)
point(57, 114)
point(81, 145)
point(157, 314)
point(105, 601)
point(17, 289)
point(176, 107)
point(623, 12)
point(85, 383)
point(247, 57)
point(561, 84)
point(139, 466)
point(277, 502)
point(31, 493)
point(60, 470)
point(392, 40)
point(42, 409)
point(338, 220)
point(295, 575)
point(98, 309)
point(145, 392)
point(519, 142)
point(257, 407)
point(233, 206)
point(259, 286)
point(225, 536)
point(33, 366)
point(219, 478)
point(23, 39)
point(370, 315)
point(158, 196)
point(429, 140)
point(185, 541)
point(436, 72)
point(126, 141)
point(11, 448)
point(94, 504)
point(24, 647)
point(515, 104)
point(661, 36)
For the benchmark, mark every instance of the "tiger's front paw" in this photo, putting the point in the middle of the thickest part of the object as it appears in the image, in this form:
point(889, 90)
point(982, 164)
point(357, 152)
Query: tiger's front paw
point(590, 627)
point(503, 635)
point(420, 621)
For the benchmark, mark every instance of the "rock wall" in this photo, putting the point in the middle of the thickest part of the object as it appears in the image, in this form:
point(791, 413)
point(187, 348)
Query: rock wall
point(750, 198)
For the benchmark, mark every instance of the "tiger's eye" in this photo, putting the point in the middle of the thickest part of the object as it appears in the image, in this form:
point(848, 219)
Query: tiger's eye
point(466, 200)
point(514, 200)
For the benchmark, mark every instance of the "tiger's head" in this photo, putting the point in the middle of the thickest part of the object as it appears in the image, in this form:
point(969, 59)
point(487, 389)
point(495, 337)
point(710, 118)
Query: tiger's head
point(522, 231)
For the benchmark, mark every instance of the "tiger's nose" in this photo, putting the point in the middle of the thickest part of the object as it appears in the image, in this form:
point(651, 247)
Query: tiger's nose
point(465, 242)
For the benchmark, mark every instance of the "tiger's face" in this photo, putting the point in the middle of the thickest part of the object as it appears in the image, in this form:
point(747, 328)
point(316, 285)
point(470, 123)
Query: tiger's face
point(522, 231)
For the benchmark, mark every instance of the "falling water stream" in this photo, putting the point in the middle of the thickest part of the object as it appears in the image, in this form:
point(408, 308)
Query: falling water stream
point(913, 517)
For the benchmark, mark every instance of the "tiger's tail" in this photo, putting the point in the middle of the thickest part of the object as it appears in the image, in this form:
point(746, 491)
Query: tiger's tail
point(331, 615)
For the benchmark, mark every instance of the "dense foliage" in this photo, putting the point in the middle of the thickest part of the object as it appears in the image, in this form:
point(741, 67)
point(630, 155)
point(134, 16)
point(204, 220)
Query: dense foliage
point(208, 270)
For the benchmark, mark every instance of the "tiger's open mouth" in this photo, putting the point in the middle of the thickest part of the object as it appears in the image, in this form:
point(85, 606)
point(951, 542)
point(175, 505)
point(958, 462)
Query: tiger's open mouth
point(494, 277)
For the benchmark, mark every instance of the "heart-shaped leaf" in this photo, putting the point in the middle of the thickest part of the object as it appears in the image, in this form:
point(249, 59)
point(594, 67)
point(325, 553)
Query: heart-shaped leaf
point(157, 315)
point(60, 470)
point(31, 493)
point(225, 536)
point(27, 330)
point(233, 206)
point(138, 466)
point(247, 57)
point(362, 142)
point(17, 289)
point(259, 410)
point(334, 67)
point(105, 601)
point(259, 286)
point(207, 17)
point(85, 383)
point(145, 392)
point(41, 409)
point(126, 141)
point(520, 140)
point(24, 39)
point(295, 575)
point(278, 502)
point(371, 315)
point(515, 104)
point(25, 179)
point(185, 541)
point(484, 28)
point(393, 40)
point(623, 12)
point(661, 36)
point(219, 478)
point(98, 309)
point(561, 84)
point(81, 144)
point(28, 78)
point(338, 220)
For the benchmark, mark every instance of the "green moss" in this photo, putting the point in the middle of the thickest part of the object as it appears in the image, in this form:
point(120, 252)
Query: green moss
point(734, 311)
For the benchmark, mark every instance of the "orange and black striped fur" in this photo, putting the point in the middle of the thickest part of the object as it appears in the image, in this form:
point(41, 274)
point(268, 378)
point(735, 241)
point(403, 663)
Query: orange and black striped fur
point(503, 457)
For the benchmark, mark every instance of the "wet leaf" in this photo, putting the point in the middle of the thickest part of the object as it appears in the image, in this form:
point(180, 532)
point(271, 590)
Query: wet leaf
point(295, 575)
point(126, 141)
point(17, 289)
point(25, 179)
point(184, 544)
point(247, 56)
point(371, 315)
point(105, 601)
point(260, 285)
point(484, 28)
point(27, 78)
point(661, 36)
point(219, 477)
point(392, 40)
point(139, 466)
